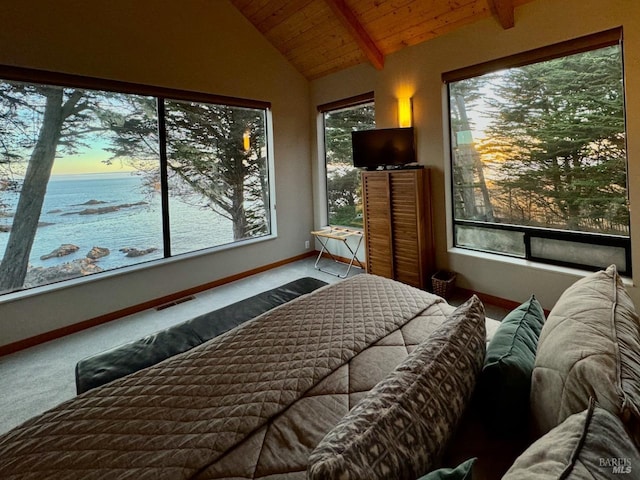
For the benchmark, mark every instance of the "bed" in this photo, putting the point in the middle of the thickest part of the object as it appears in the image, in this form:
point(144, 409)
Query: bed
point(252, 403)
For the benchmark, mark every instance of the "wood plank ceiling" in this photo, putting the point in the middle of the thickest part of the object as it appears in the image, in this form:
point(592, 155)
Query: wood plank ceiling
point(320, 37)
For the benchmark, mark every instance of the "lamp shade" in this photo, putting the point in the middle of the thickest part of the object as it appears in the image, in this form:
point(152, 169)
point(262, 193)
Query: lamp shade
point(246, 140)
point(405, 113)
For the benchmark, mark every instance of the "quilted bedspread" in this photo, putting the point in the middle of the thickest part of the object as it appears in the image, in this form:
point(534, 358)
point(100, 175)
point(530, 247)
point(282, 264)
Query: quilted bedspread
point(251, 403)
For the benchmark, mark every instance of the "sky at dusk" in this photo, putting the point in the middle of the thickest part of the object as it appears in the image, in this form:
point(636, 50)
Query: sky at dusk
point(89, 162)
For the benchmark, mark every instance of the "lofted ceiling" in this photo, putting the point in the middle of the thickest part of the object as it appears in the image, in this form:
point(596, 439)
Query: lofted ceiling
point(320, 37)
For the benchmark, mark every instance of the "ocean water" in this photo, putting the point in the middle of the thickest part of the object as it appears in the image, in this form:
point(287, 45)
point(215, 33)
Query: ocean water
point(136, 226)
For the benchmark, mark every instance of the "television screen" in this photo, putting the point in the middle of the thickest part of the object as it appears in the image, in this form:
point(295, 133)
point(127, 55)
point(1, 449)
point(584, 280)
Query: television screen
point(385, 146)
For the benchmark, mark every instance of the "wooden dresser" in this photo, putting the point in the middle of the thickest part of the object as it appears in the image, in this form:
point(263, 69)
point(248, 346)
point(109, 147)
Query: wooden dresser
point(397, 225)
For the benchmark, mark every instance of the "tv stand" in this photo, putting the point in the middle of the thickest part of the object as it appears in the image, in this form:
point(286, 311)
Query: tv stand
point(382, 168)
point(399, 167)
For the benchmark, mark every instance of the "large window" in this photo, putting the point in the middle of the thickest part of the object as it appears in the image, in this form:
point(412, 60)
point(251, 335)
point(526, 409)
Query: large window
point(344, 196)
point(92, 180)
point(538, 155)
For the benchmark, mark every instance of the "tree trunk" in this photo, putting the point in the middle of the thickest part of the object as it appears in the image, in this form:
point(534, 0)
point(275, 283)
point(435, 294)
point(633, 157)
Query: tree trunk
point(15, 262)
point(465, 163)
point(265, 193)
point(488, 208)
point(238, 214)
point(469, 161)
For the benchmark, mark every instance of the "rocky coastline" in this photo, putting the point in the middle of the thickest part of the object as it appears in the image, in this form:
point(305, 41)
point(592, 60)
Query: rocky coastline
point(77, 267)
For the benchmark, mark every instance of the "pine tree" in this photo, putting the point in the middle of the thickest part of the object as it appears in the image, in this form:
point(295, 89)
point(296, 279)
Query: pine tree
point(206, 154)
point(559, 128)
point(38, 123)
point(343, 180)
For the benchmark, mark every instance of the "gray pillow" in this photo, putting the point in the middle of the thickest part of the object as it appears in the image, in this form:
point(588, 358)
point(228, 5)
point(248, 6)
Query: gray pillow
point(589, 347)
point(398, 430)
point(589, 445)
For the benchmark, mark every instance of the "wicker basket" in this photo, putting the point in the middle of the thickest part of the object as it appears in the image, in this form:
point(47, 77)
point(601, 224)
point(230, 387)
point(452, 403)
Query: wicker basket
point(443, 283)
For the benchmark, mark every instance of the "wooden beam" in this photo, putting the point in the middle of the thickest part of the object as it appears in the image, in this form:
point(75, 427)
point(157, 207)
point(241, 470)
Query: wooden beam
point(357, 31)
point(504, 12)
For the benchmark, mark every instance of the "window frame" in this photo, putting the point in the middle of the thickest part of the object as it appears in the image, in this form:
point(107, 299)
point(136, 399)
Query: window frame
point(583, 44)
point(553, 234)
point(349, 102)
point(161, 95)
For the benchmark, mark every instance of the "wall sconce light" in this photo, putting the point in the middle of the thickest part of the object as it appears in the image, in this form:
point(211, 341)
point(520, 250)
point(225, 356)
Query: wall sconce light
point(246, 140)
point(405, 112)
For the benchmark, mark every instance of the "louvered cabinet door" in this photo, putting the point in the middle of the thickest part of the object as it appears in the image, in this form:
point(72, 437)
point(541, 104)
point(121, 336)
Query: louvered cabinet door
point(397, 219)
point(409, 226)
point(377, 223)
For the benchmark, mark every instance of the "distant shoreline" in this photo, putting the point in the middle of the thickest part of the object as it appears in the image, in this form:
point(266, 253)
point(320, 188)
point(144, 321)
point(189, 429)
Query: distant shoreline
point(91, 175)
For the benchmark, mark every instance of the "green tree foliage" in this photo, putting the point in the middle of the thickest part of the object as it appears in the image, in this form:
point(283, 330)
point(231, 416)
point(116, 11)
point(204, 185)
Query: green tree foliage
point(206, 150)
point(558, 127)
point(37, 122)
point(343, 180)
point(208, 164)
point(338, 126)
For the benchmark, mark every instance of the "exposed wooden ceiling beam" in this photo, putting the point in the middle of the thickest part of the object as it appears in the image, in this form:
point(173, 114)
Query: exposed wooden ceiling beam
point(357, 31)
point(504, 12)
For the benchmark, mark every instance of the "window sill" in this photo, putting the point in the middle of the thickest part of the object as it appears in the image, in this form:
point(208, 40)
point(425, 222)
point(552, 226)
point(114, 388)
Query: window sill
point(521, 262)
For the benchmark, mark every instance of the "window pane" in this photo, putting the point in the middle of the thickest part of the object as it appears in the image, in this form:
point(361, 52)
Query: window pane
point(81, 183)
point(491, 240)
point(73, 200)
point(217, 174)
point(543, 145)
point(578, 253)
point(343, 179)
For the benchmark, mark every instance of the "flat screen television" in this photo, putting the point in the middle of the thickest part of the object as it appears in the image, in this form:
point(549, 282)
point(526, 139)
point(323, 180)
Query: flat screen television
point(383, 147)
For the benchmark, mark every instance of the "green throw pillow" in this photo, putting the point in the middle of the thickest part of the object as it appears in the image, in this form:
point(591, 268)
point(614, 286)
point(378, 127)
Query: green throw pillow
point(461, 472)
point(505, 382)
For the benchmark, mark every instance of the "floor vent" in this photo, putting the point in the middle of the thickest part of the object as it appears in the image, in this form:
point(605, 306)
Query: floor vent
point(175, 302)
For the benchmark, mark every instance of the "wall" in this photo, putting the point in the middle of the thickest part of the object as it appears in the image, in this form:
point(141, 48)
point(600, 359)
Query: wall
point(199, 45)
point(417, 70)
